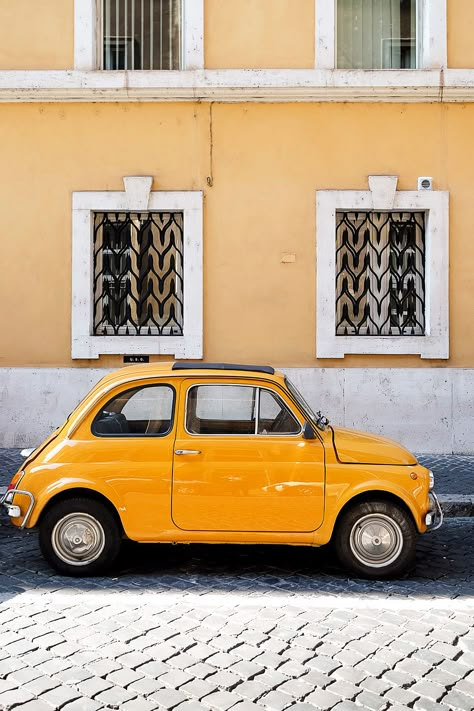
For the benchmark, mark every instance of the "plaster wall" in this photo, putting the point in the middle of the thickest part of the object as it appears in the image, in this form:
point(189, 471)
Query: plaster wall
point(427, 410)
point(259, 34)
point(238, 34)
point(460, 22)
point(37, 35)
point(259, 167)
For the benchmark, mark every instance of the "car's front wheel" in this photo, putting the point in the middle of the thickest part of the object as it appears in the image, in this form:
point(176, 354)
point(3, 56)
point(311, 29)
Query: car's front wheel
point(376, 539)
point(79, 537)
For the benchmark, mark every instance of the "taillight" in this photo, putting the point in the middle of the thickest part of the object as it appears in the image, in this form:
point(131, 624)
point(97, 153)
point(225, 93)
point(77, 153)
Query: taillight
point(15, 480)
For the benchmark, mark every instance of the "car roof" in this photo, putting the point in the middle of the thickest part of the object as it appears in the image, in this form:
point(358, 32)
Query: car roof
point(188, 369)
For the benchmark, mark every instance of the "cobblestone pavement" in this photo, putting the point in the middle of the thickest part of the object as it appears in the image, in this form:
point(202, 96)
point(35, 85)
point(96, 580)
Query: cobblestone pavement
point(238, 627)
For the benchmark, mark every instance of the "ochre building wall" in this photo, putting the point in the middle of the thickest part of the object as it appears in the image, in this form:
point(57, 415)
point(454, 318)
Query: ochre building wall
point(460, 23)
point(259, 34)
point(37, 35)
point(266, 163)
point(238, 34)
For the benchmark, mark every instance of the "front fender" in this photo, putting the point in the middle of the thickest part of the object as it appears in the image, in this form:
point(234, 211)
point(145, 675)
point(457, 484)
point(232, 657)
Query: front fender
point(45, 496)
point(340, 491)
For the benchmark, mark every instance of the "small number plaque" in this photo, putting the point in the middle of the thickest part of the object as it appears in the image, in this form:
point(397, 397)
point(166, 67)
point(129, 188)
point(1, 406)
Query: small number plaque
point(136, 359)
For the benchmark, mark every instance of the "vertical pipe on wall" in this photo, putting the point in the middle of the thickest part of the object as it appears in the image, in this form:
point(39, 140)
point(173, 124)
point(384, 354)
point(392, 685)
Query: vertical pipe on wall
point(126, 34)
point(133, 33)
point(117, 14)
point(142, 36)
point(152, 20)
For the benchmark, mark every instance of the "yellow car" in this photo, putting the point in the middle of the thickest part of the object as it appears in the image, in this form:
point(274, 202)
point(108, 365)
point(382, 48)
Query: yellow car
point(217, 453)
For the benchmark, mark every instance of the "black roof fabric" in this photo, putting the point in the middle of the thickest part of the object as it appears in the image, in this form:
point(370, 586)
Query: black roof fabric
point(189, 365)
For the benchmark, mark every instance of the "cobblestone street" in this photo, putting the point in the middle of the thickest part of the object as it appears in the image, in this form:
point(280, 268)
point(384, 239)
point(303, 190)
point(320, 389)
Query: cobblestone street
point(244, 627)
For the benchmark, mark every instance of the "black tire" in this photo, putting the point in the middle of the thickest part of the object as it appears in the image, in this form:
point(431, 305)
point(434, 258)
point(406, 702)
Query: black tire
point(79, 537)
point(376, 539)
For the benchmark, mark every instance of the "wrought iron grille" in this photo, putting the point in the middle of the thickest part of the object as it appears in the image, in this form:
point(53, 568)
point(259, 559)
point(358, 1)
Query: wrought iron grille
point(141, 34)
point(138, 273)
point(380, 273)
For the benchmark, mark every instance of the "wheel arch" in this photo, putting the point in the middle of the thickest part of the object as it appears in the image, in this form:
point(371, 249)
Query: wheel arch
point(373, 495)
point(79, 492)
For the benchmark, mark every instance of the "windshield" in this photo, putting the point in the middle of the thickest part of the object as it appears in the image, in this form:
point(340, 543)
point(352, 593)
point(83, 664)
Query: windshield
point(307, 409)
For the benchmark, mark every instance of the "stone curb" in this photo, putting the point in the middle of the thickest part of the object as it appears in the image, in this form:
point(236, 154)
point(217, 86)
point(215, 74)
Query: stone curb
point(454, 505)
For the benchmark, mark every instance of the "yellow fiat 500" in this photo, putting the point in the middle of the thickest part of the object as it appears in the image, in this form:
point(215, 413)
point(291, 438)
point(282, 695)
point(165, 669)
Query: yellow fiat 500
point(217, 453)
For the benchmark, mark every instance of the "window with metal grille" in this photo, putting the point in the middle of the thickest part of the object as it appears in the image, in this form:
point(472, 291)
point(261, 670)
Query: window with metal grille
point(380, 273)
point(138, 273)
point(141, 34)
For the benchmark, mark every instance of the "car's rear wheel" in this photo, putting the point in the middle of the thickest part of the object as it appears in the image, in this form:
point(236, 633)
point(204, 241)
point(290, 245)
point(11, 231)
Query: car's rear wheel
point(376, 539)
point(79, 537)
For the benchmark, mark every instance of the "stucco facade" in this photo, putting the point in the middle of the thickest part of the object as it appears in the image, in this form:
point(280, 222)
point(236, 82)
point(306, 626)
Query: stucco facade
point(258, 131)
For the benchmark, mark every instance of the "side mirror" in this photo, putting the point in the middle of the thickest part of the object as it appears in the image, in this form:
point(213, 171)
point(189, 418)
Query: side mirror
point(308, 432)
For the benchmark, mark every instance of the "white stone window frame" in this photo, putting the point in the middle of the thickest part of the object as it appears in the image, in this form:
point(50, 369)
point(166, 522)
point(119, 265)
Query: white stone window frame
point(87, 32)
point(136, 198)
point(432, 48)
point(383, 196)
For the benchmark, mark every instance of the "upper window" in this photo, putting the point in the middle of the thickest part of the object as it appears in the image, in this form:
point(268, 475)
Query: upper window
point(381, 34)
point(141, 35)
point(377, 34)
point(382, 271)
point(237, 410)
point(140, 411)
point(138, 34)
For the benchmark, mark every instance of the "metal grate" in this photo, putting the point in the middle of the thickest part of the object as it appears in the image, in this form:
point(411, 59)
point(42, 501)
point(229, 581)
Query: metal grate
point(141, 34)
point(380, 274)
point(138, 273)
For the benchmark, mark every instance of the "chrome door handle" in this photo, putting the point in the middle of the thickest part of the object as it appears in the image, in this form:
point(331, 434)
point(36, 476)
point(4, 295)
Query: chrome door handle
point(187, 451)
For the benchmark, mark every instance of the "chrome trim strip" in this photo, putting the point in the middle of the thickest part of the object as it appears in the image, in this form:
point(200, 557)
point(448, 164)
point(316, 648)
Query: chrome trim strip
point(11, 493)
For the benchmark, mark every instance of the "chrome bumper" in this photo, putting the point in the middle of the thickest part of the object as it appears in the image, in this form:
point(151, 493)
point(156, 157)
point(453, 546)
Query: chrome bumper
point(14, 511)
point(435, 517)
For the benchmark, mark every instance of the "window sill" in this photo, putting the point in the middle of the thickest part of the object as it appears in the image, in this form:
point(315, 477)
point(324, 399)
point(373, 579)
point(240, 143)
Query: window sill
point(424, 346)
point(178, 346)
point(229, 85)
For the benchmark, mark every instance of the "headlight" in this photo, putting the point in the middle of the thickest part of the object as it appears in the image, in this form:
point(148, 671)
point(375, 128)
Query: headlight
point(431, 479)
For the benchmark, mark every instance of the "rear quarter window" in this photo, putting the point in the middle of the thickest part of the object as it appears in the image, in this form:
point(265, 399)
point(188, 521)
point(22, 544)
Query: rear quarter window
point(143, 411)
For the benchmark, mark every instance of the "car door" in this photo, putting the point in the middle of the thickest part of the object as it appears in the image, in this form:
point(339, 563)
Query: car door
point(129, 446)
point(241, 462)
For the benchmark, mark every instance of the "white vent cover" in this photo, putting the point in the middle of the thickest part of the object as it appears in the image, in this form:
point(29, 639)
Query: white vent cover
point(425, 183)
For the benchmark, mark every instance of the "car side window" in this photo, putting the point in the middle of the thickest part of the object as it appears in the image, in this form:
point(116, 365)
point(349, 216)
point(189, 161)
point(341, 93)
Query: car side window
point(142, 411)
point(221, 410)
point(274, 417)
point(233, 409)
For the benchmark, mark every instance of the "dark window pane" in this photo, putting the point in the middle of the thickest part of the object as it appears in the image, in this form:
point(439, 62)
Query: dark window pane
point(140, 411)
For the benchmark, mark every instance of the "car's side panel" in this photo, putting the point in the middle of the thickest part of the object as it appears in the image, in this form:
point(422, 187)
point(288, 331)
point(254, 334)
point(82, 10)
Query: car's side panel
point(133, 472)
point(344, 482)
point(259, 482)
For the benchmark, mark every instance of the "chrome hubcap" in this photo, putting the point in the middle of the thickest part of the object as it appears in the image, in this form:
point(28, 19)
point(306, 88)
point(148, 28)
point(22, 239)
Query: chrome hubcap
point(376, 540)
point(78, 539)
